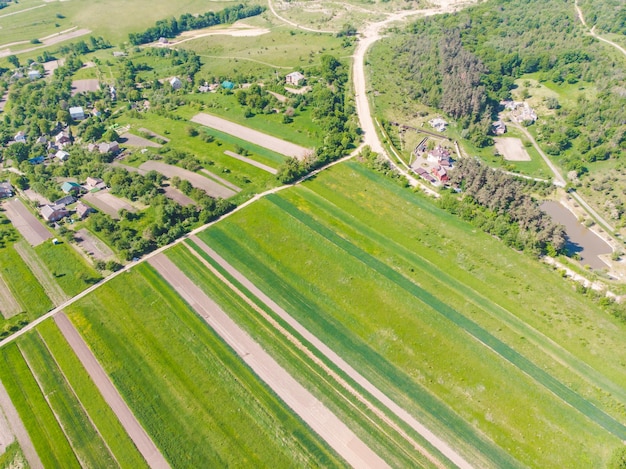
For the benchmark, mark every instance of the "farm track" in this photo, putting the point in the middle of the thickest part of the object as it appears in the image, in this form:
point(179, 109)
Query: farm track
point(9, 305)
point(431, 270)
point(504, 351)
point(135, 431)
point(19, 430)
point(41, 272)
point(300, 400)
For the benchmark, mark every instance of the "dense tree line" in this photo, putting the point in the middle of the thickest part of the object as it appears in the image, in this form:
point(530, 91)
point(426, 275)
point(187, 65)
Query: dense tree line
point(334, 113)
point(170, 28)
point(501, 205)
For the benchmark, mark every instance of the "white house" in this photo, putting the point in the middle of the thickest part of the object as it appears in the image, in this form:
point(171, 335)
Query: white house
point(77, 113)
point(34, 74)
point(294, 78)
point(62, 155)
point(175, 83)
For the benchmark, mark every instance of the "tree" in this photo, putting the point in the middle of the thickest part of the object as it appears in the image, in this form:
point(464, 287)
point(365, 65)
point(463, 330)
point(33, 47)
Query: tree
point(13, 60)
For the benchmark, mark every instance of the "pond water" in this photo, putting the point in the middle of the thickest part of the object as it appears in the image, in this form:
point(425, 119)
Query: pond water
point(580, 239)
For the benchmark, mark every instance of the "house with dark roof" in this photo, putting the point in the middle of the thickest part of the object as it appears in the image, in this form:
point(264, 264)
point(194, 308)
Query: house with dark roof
point(175, 83)
point(68, 199)
point(37, 160)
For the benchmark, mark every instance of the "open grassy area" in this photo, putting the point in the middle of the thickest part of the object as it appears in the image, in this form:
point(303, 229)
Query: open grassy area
point(47, 436)
point(190, 392)
point(103, 418)
point(423, 330)
point(70, 270)
point(13, 457)
point(88, 445)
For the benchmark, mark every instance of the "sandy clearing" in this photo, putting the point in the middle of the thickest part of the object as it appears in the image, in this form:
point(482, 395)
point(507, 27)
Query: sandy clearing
point(253, 136)
point(142, 441)
point(177, 196)
point(209, 186)
point(9, 306)
point(52, 65)
point(108, 203)
point(235, 30)
point(85, 86)
point(40, 199)
point(41, 273)
point(18, 429)
point(511, 149)
point(303, 90)
point(137, 141)
point(402, 414)
point(300, 400)
point(221, 180)
point(93, 246)
point(252, 162)
point(26, 223)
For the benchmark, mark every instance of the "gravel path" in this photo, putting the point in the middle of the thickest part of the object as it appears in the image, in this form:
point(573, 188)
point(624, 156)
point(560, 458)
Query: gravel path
point(434, 440)
point(113, 398)
point(300, 400)
point(253, 136)
point(18, 429)
point(26, 223)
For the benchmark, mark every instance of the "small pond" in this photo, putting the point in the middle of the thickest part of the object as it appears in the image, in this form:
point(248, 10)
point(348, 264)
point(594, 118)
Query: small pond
point(580, 239)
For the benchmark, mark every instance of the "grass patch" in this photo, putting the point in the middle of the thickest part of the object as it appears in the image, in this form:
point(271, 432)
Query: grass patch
point(105, 420)
point(191, 393)
point(13, 457)
point(47, 436)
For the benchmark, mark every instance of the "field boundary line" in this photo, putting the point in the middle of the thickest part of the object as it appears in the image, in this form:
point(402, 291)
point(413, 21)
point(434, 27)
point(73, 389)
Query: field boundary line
point(334, 358)
point(41, 273)
point(18, 429)
point(477, 332)
point(10, 305)
point(310, 409)
point(111, 395)
point(80, 403)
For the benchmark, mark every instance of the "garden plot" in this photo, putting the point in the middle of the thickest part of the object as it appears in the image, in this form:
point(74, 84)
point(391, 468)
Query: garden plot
point(26, 223)
point(85, 86)
point(177, 196)
point(93, 246)
point(253, 136)
point(136, 141)
point(512, 149)
point(108, 203)
point(209, 186)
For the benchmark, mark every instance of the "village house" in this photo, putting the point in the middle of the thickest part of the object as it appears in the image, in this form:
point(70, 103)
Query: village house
point(176, 84)
point(6, 189)
point(41, 140)
point(70, 187)
point(77, 113)
point(62, 139)
point(104, 148)
point(67, 200)
point(20, 137)
point(52, 213)
point(438, 124)
point(62, 155)
point(34, 75)
point(440, 174)
point(498, 127)
point(83, 211)
point(294, 78)
point(93, 183)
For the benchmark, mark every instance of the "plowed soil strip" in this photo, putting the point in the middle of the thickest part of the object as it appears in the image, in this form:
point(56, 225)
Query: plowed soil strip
point(142, 441)
point(253, 136)
point(301, 401)
point(252, 162)
point(435, 441)
point(19, 430)
point(26, 223)
point(9, 306)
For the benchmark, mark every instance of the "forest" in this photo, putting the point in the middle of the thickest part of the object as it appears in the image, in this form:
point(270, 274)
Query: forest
point(607, 15)
point(464, 64)
point(170, 28)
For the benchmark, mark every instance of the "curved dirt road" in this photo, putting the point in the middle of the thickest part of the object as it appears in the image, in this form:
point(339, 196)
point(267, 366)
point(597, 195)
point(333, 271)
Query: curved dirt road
point(593, 32)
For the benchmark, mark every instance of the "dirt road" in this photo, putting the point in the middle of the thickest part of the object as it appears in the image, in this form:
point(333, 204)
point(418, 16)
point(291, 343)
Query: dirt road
point(18, 429)
point(592, 31)
point(300, 400)
point(558, 179)
point(142, 441)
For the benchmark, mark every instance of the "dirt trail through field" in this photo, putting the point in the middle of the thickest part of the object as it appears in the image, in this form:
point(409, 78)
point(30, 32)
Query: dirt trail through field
point(142, 441)
point(18, 429)
point(9, 306)
point(593, 32)
point(300, 400)
point(402, 414)
point(41, 272)
point(252, 162)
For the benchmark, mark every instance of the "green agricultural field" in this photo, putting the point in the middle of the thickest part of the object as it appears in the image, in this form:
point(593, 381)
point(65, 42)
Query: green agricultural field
point(69, 269)
point(47, 436)
point(190, 392)
point(103, 418)
point(502, 342)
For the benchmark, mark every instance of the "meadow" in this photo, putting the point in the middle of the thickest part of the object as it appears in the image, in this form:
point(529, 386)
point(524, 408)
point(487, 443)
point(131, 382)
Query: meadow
point(453, 315)
point(190, 392)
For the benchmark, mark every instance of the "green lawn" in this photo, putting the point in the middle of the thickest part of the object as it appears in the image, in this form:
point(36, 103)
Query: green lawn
point(191, 393)
point(69, 269)
point(85, 440)
point(47, 436)
point(108, 425)
point(442, 293)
